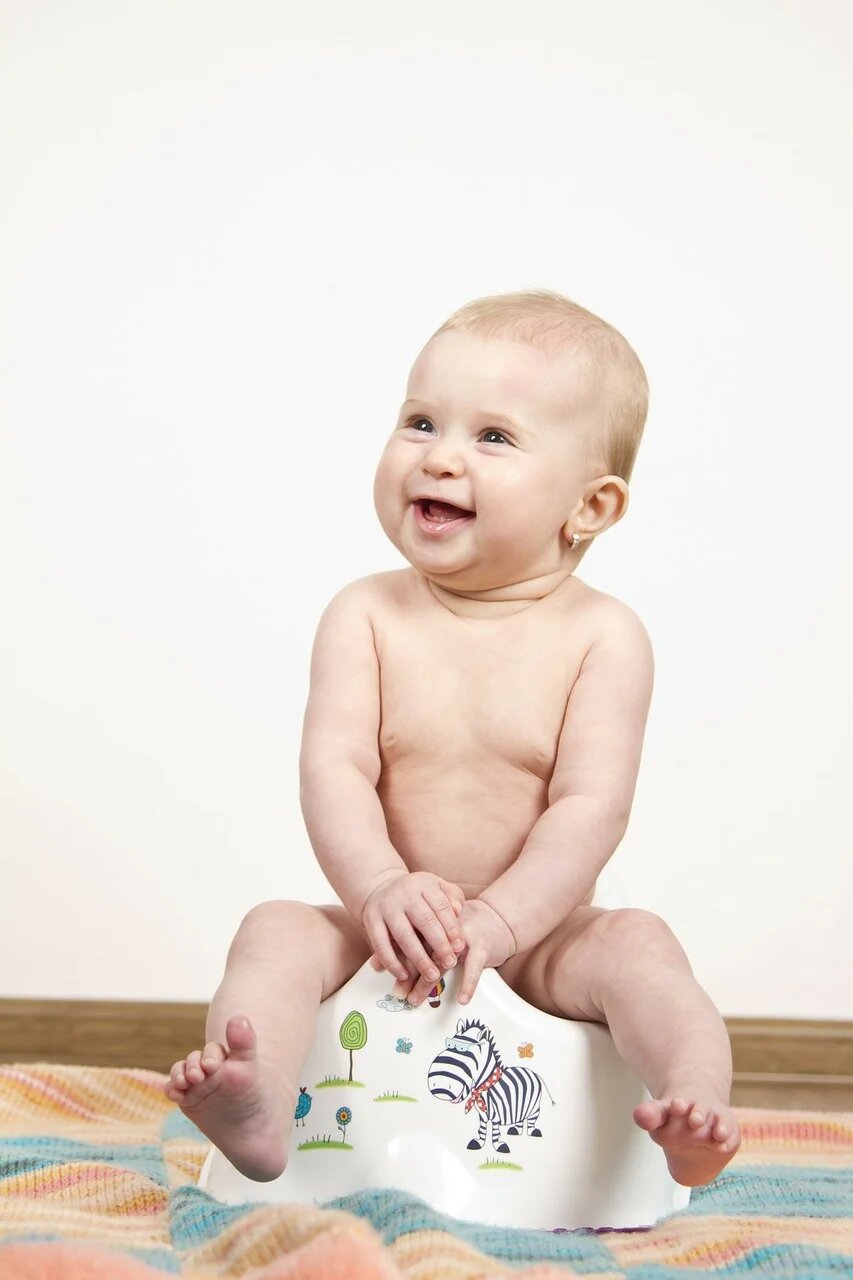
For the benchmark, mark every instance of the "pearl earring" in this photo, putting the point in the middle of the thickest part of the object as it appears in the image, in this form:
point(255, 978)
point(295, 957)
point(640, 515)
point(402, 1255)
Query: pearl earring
point(575, 541)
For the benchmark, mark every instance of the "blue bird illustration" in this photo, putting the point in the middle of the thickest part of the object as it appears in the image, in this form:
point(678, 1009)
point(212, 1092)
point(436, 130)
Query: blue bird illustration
point(303, 1104)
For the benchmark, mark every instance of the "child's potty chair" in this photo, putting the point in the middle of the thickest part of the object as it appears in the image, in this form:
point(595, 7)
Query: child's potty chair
point(493, 1111)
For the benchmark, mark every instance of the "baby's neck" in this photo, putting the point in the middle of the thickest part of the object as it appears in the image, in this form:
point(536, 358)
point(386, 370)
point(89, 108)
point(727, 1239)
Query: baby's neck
point(502, 601)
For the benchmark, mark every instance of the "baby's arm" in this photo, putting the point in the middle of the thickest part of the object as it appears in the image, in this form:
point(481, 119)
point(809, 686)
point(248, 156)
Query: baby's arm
point(592, 785)
point(339, 767)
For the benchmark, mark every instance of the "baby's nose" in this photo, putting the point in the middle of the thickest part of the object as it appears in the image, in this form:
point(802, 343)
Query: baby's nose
point(443, 458)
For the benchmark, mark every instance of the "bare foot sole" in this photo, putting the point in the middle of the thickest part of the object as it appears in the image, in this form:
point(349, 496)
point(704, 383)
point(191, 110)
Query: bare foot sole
point(698, 1138)
point(222, 1090)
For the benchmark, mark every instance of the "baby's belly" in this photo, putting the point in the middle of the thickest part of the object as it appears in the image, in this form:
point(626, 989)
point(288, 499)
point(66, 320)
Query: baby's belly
point(460, 826)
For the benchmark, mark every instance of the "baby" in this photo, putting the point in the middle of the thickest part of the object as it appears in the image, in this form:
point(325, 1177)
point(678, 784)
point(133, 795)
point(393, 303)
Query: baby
point(471, 745)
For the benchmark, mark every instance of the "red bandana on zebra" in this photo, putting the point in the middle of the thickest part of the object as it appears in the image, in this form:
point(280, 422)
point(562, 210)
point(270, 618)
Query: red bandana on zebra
point(477, 1092)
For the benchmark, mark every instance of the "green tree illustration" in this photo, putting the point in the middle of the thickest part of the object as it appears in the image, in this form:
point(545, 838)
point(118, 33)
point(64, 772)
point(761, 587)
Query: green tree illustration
point(353, 1034)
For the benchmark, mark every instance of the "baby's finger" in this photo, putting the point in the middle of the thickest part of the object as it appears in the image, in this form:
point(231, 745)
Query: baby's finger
point(429, 929)
point(455, 894)
point(441, 933)
point(472, 969)
point(420, 990)
point(435, 919)
point(410, 945)
point(446, 912)
point(404, 986)
point(376, 959)
point(384, 950)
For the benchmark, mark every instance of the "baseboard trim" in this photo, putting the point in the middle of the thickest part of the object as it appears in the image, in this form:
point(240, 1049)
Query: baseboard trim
point(778, 1063)
point(104, 1033)
point(792, 1063)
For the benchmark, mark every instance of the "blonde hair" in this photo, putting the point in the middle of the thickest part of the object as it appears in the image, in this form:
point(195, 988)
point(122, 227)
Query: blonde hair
point(556, 325)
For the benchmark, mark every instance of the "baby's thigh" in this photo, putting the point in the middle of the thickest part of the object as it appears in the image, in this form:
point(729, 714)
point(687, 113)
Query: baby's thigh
point(348, 947)
point(560, 973)
point(290, 934)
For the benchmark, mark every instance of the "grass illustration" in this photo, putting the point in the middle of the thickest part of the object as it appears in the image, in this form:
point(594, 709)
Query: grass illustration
point(327, 1142)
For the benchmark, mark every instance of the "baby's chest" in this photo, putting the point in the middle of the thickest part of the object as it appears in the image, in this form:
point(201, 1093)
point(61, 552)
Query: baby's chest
point(482, 703)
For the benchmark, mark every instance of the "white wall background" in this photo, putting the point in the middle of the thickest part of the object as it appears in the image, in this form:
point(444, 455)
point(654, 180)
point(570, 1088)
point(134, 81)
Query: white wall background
point(227, 231)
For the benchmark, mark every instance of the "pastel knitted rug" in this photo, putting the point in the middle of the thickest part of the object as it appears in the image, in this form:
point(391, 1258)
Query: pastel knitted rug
point(98, 1172)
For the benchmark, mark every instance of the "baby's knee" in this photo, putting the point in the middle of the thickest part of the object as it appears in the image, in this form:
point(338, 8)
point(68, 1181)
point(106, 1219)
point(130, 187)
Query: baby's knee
point(633, 934)
point(268, 924)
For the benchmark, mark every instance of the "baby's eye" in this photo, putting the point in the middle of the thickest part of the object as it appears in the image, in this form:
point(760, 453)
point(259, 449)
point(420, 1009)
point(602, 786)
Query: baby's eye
point(490, 431)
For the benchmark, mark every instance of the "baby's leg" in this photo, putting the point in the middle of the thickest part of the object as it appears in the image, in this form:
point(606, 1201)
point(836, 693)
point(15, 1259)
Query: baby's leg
point(627, 969)
point(241, 1089)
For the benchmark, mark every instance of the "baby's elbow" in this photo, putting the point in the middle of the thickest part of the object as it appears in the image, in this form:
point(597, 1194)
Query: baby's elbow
point(617, 820)
point(609, 813)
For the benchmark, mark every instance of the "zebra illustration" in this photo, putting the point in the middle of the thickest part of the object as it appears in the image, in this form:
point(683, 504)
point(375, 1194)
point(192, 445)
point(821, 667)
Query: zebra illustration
point(469, 1069)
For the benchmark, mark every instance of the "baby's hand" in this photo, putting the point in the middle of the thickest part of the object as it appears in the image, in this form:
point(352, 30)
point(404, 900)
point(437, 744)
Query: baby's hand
point(406, 906)
point(489, 940)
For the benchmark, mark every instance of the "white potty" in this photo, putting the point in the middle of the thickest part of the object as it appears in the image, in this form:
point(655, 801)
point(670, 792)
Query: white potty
point(495, 1112)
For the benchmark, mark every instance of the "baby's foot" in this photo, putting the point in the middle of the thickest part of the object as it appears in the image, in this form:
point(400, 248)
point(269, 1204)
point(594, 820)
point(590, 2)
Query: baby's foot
point(698, 1138)
point(244, 1113)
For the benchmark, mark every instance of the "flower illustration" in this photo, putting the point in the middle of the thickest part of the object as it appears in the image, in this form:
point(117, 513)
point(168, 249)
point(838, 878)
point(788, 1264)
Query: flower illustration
point(525, 1050)
point(343, 1115)
point(404, 1045)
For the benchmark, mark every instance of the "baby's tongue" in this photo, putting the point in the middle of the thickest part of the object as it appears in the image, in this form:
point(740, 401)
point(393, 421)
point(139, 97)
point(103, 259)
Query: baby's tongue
point(445, 511)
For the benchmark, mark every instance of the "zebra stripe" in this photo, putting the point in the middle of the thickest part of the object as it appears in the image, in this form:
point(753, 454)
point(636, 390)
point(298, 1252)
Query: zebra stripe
point(468, 1060)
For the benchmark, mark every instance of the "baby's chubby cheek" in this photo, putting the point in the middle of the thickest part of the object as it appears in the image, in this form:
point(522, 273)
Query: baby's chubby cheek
point(390, 511)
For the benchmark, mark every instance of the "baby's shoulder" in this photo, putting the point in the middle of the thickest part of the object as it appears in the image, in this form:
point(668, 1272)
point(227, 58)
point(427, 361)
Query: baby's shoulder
point(609, 614)
point(376, 590)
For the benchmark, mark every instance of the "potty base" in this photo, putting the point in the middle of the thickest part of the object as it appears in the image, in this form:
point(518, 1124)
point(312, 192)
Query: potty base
point(495, 1112)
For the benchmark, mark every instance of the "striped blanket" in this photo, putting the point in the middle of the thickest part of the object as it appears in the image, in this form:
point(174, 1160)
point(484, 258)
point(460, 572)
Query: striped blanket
point(98, 1172)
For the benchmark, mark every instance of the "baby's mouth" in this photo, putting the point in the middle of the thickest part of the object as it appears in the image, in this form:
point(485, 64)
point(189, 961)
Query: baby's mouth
point(442, 512)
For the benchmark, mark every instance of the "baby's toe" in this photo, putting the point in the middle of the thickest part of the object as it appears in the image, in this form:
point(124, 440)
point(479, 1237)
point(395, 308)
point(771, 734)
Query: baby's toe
point(720, 1130)
point(650, 1115)
point(194, 1070)
point(177, 1076)
point(703, 1131)
point(213, 1055)
point(678, 1107)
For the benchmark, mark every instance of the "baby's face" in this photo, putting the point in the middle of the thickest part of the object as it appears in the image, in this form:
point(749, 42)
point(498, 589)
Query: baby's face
point(499, 428)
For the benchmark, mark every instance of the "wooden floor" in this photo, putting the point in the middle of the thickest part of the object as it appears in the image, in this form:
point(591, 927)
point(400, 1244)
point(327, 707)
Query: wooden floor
point(778, 1063)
